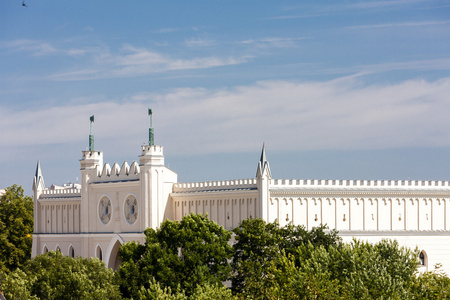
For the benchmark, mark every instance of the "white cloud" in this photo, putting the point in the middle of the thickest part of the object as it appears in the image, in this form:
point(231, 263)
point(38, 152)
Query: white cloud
point(287, 115)
point(384, 4)
point(39, 48)
point(404, 24)
point(418, 65)
point(134, 61)
point(197, 42)
point(277, 42)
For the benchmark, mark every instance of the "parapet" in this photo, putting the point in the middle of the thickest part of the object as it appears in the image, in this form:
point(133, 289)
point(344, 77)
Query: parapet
point(388, 184)
point(237, 184)
point(116, 173)
point(90, 159)
point(152, 150)
point(61, 193)
point(152, 155)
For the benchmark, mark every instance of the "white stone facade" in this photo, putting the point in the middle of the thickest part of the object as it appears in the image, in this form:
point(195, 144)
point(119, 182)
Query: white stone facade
point(113, 205)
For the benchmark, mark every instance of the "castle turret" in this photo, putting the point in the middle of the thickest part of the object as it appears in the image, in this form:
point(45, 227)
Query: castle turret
point(38, 182)
point(38, 188)
point(90, 162)
point(263, 178)
point(153, 176)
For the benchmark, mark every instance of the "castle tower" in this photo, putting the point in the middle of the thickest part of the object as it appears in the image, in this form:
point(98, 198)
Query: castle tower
point(153, 171)
point(263, 178)
point(89, 164)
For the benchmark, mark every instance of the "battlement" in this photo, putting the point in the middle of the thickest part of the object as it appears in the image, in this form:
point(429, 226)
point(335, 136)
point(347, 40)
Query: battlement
point(116, 173)
point(152, 150)
point(91, 154)
point(91, 159)
point(61, 193)
point(215, 185)
point(400, 184)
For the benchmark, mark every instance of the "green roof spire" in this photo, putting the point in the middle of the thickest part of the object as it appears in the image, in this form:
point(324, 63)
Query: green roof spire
point(91, 136)
point(151, 134)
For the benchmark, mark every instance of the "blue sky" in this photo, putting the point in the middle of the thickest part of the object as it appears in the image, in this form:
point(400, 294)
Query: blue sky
point(335, 89)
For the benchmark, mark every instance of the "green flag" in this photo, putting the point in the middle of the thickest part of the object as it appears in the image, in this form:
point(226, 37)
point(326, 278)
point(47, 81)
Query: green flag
point(149, 111)
point(92, 118)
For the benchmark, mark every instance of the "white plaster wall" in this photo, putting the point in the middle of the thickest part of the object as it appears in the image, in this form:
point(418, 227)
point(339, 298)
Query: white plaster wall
point(117, 193)
point(227, 209)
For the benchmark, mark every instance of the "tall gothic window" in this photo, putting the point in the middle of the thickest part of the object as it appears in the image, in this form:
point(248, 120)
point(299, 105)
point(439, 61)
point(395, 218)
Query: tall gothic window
point(422, 258)
point(99, 253)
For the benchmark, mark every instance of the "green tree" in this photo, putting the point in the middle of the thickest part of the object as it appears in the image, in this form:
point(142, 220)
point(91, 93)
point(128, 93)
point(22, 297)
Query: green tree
point(431, 285)
point(363, 270)
point(348, 271)
point(260, 244)
point(16, 228)
point(201, 292)
point(185, 254)
point(54, 276)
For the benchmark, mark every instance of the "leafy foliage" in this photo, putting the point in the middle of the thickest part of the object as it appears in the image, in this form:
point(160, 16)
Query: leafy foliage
point(347, 271)
point(54, 276)
point(185, 254)
point(201, 292)
point(16, 228)
point(259, 244)
point(432, 285)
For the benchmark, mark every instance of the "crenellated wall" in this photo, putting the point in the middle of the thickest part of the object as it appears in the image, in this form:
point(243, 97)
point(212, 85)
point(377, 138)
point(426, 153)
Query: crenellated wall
point(116, 173)
point(215, 185)
point(287, 183)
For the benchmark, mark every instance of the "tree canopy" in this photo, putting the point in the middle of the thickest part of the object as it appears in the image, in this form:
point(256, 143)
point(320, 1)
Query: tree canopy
point(54, 276)
point(16, 228)
point(259, 243)
point(180, 254)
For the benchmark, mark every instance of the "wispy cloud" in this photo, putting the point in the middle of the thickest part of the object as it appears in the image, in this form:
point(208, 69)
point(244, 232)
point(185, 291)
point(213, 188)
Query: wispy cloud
point(132, 61)
point(404, 24)
point(274, 42)
point(197, 42)
point(332, 9)
point(299, 16)
point(289, 115)
point(384, 4)
point(166, 30)
point(39, 48)
point(414, 65)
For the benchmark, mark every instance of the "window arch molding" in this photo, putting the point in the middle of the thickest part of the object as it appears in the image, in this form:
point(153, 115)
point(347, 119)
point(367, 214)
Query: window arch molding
point(99, 252)
point(71, 251)
point(423, 258)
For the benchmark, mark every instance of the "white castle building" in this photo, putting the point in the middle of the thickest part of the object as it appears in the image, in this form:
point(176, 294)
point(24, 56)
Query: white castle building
point(114, 205)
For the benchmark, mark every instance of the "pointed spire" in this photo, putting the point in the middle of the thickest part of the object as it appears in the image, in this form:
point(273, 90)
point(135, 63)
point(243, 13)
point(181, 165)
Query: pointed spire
point(38, 170)
point(263, 159)
point(38, 178)
point(263, 165)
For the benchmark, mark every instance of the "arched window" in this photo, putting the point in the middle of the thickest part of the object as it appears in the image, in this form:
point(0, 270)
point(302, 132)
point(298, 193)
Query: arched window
point(45, 250)
point(71, 251)
point(423, 258)
point(58, 249)
point(98, 253)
